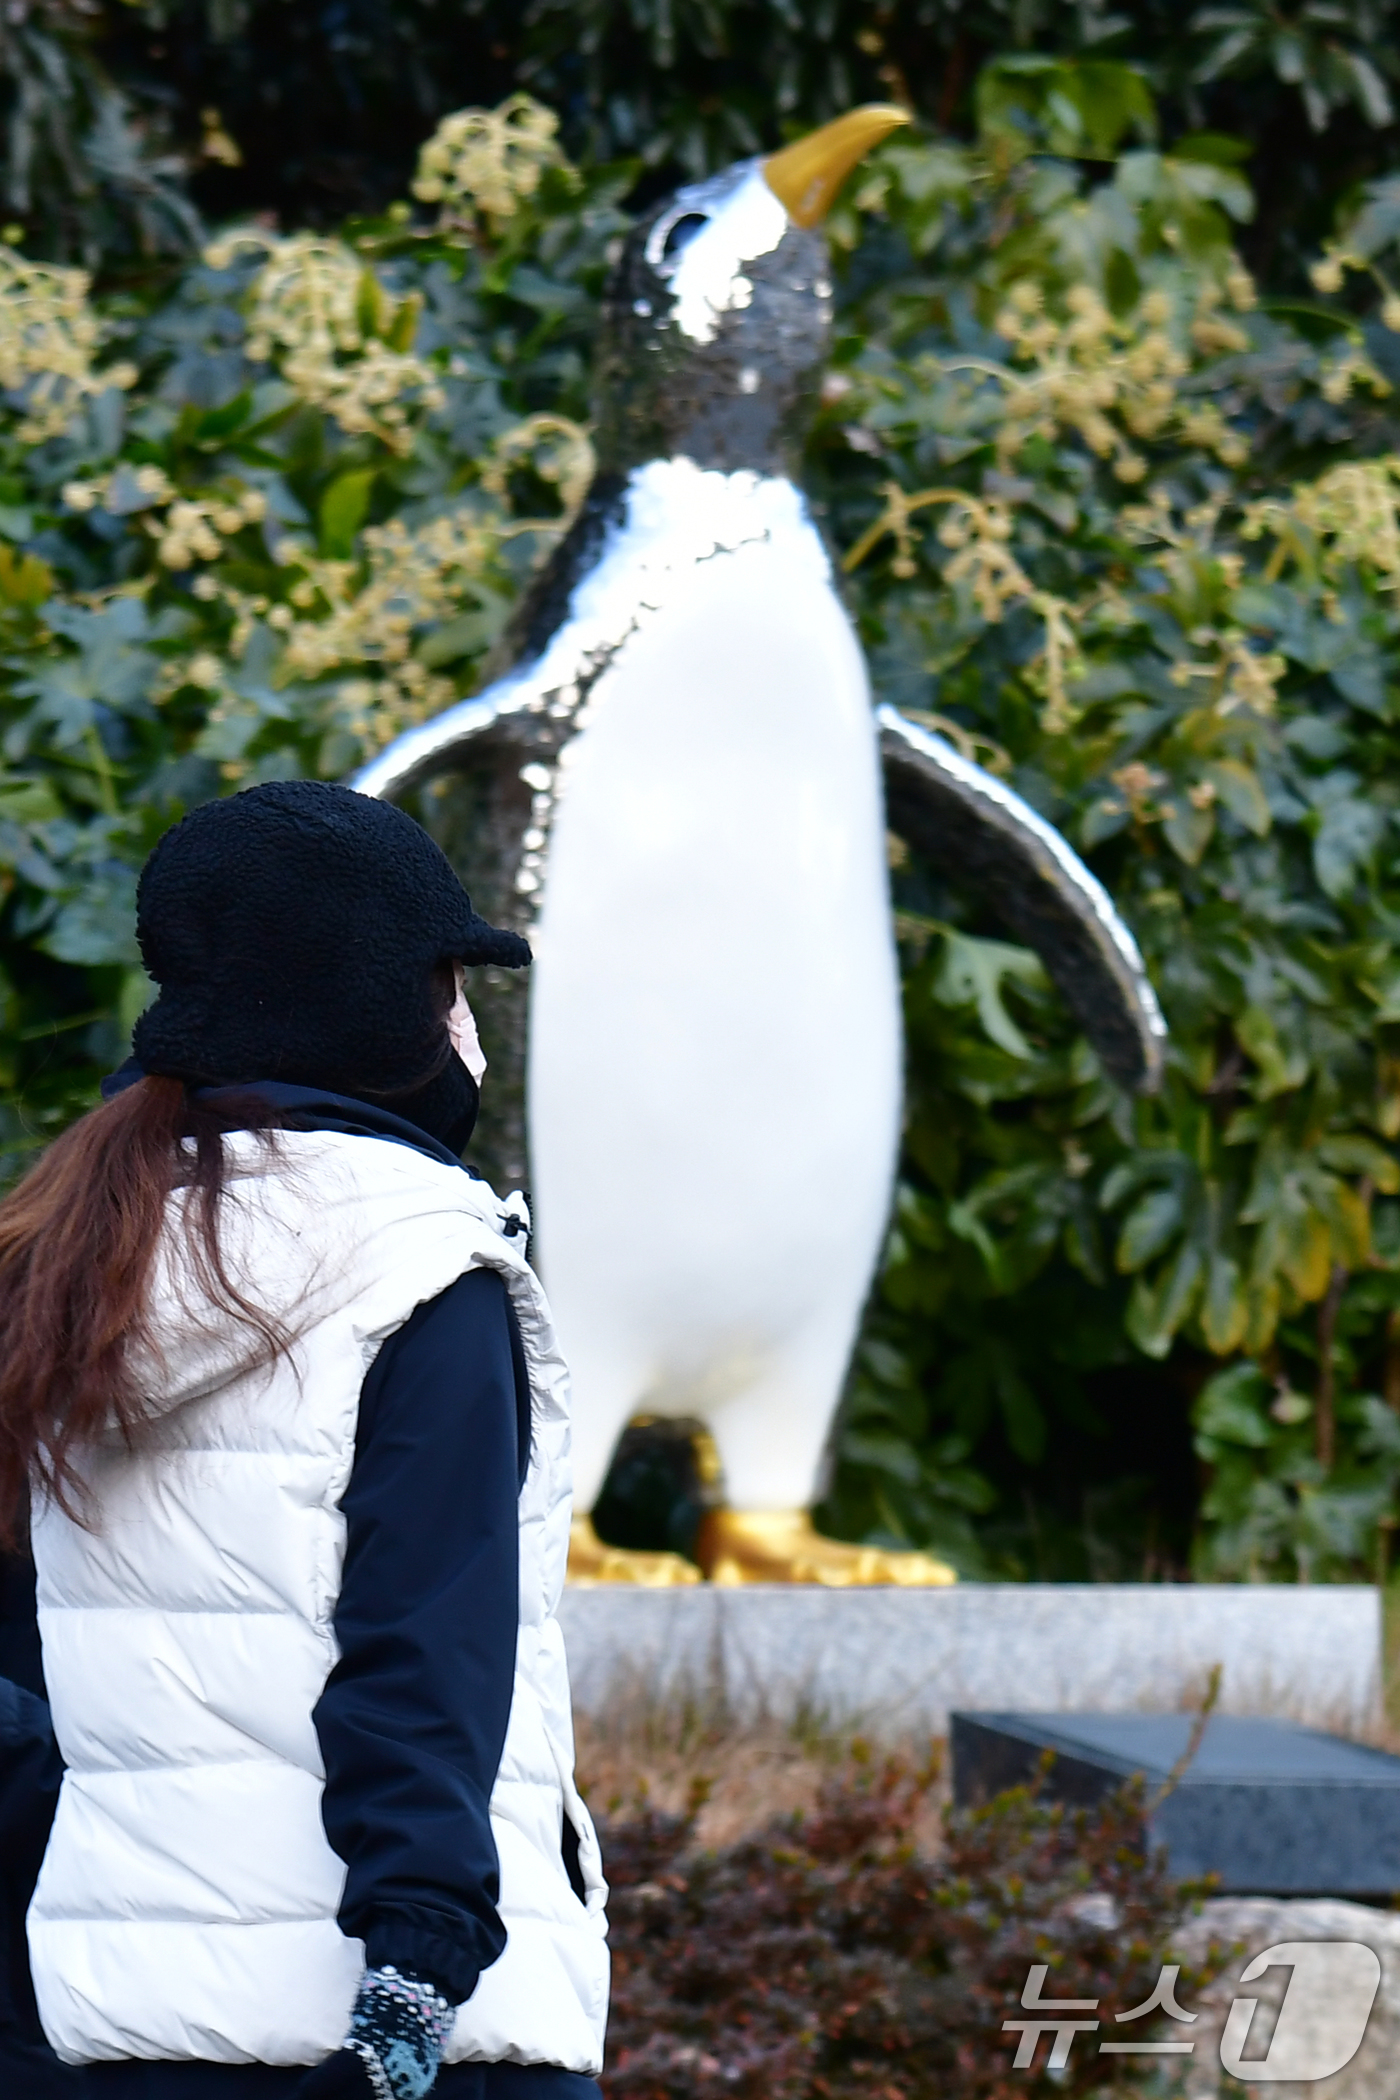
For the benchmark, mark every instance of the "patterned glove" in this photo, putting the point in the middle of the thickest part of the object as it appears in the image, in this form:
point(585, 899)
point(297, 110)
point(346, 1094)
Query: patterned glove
point(398, 2030)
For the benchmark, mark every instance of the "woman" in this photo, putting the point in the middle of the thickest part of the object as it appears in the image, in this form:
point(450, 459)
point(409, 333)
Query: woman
point(286, 1395)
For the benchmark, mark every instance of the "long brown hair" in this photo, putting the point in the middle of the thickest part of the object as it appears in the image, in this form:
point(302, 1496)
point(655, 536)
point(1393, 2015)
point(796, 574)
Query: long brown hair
point(78, 1238)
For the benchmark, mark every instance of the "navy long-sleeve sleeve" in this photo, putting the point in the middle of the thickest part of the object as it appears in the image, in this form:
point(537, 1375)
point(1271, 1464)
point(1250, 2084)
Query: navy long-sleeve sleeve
point(413, 1718)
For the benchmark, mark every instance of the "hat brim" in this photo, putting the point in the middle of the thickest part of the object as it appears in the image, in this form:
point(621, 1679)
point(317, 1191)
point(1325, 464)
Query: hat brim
point(482, 943)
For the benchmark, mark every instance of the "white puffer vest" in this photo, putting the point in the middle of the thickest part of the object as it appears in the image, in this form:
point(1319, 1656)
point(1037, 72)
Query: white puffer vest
point(187, 1903)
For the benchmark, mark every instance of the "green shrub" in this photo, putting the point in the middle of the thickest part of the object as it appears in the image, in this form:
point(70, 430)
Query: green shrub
point(1119, 525)
point(1123, 527)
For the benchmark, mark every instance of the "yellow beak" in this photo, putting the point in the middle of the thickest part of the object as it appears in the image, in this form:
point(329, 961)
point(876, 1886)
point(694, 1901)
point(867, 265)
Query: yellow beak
point(805, 177)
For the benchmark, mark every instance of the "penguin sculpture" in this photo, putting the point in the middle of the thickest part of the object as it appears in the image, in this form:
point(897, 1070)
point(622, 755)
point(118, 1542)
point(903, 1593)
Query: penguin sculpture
point(677, 792)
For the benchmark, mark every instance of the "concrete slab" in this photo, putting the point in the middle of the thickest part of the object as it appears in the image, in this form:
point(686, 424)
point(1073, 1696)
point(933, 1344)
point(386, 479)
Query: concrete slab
point(904, 1659)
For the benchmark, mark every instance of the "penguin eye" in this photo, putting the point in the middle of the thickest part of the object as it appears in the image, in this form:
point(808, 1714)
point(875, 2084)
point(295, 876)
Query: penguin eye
point(679, 235)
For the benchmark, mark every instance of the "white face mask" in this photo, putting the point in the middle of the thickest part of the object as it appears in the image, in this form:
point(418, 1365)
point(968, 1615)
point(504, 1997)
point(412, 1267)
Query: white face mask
point(461, 1027)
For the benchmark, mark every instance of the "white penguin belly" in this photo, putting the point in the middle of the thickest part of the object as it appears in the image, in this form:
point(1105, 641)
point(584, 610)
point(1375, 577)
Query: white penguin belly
point(715, 1027)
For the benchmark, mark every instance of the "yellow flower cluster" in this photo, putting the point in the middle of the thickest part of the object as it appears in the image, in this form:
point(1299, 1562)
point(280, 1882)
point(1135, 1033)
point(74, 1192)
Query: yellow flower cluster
point(323, 318)
point(1112, 380)
point(1060, 661)
point(1350, 515)
point(1083, 373)
point(488, 161)
point(979, 536)
point(191, 529)
point(1239, 677)
point(1329, 274)
point(49, 336)
point(1352, 369)
point(194, 529)
point(371, 614)
point(416, 577)
point(1139, 786)
point(558, 449)
point(125, 490)
point(978, 533)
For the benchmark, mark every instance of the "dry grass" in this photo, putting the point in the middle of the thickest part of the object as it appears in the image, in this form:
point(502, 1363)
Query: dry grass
point(744, 1773)
point(683, 1750)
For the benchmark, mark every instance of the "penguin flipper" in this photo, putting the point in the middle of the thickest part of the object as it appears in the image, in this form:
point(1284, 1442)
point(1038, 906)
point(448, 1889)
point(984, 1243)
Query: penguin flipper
point(442, 745)
point(971, 824)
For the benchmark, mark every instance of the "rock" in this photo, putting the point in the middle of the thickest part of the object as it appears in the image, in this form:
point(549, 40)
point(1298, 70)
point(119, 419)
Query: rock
point(1321, 2018)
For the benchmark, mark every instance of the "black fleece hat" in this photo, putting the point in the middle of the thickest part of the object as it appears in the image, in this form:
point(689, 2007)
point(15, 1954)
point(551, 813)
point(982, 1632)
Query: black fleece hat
point(293, 930)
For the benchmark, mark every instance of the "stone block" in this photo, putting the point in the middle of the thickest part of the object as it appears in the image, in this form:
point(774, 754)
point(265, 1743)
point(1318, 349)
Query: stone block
point(1268, 1807)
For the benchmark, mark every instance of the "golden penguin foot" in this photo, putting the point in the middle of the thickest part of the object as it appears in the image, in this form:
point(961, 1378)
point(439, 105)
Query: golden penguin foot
point(590, 1561)
point(780, 1545)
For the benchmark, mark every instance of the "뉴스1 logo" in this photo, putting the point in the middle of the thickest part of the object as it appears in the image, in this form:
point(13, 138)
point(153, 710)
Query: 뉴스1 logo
point(1320, 2026)
point(1322, 2020)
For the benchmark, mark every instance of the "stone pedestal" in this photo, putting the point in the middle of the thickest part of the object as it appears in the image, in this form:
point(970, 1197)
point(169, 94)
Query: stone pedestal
point(900, 1660)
